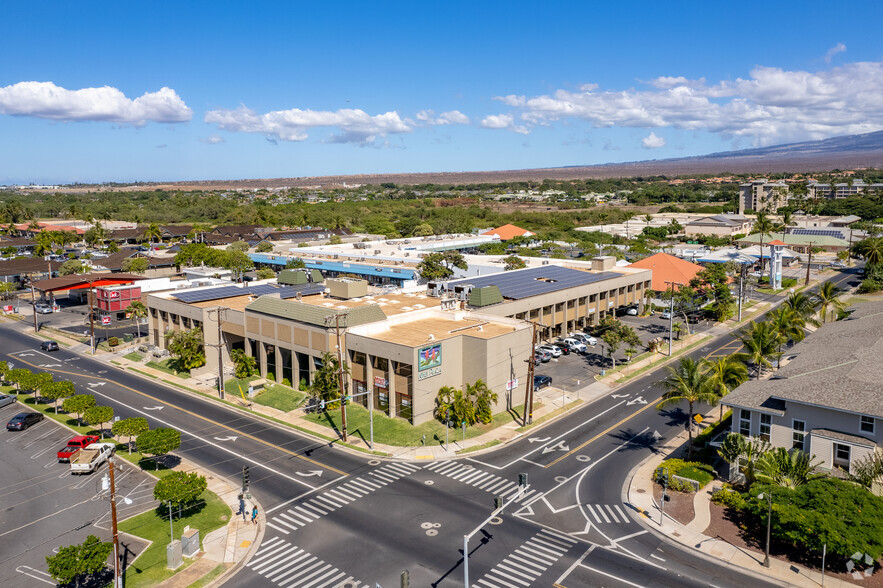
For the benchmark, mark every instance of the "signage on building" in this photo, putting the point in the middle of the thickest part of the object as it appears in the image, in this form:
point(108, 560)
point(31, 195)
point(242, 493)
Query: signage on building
point(512, 384)
point(429, 361)
point(105, 320)
point(7, 308)
point(380, 382)
point(114, 294)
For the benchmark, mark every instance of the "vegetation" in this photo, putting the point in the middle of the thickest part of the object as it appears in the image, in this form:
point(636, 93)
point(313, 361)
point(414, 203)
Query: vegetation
point(700, 472)
point(474, 405)
point(187, 347)
point(74, 563)
point(159, 441)
point(440, 266)
point(98, 415)
point(78, 405)
point(244, 365)
point(614, 333)
point(56, 391)
point(326, 380)
point(130, 428)
point(688, 382)
point(137, 310)
point(180, 488)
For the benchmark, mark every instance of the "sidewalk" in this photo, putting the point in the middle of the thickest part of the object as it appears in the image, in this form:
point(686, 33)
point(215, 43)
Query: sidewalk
point(638, 491)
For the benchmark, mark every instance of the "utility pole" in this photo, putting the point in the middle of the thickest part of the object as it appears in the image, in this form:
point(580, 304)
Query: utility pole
point(117, 573)
point(91, 318)
point(741, 288)
point(220, 346)
point(808, 263)
point(528, 389)
point(671, 313)
point(340, 378)
point(34, 304)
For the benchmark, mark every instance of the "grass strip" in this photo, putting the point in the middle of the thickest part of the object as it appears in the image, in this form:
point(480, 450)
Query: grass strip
point(208, 514)
point(651, 366)
point(479, 447)
point(209, 577)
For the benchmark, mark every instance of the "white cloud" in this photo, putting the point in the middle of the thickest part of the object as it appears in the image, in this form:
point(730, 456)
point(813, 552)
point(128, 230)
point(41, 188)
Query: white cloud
point(452, 117)
point(212, 139)
point(355, 126)
point(838, 48)
point(46, 100)
point(651, 141)
point(771, 106)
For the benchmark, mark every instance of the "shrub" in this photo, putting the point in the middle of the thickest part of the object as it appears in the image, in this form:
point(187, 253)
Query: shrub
point(271, 376)
point(870, 285)
point(701, 472)
point(728, 498)
point(286, 382)
point(113, 341)
point(303, 385)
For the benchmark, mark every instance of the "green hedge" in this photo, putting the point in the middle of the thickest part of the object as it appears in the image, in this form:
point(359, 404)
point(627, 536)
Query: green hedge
point(693, 470)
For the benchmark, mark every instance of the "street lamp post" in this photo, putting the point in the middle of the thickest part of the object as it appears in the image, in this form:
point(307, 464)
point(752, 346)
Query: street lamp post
point(769, 516)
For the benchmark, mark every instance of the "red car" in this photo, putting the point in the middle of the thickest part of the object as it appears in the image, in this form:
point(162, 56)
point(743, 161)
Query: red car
point(75, 445)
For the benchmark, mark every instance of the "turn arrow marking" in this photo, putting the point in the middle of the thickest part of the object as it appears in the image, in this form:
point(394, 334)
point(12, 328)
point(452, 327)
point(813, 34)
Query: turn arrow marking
point(656, 436)
point(95, 384)
point(538, 439)
point(153, 408)
point(230, 438)
point(619, 396)
point(560, 446)
point(310, 474)
point(638, 400)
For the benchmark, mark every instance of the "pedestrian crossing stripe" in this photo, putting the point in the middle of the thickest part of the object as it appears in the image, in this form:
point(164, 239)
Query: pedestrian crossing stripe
point(607, 514)
point(288, 566)
point(467, 474)
point(528, 562)
point(332, 499)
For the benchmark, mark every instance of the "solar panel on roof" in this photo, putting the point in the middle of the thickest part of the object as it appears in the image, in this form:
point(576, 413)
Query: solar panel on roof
point(302, 289)
point(535, 281)
point(210, 294)
point(262, 289)
point(819, 233)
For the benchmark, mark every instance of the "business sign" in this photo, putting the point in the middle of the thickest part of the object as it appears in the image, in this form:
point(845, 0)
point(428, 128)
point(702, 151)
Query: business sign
point(429, 361)
point(114, 294)
point(380, 382)
point(105, 320)
point(7, 308)
point(512, 384)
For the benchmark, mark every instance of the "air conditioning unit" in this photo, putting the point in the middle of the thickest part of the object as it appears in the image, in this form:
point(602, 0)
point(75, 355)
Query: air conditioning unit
point(436, 289)
point(461, 292)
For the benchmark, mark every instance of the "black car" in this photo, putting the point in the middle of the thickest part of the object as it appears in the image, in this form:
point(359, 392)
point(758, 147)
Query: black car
point(541, 382)
point(49, 346)
point(23, 420)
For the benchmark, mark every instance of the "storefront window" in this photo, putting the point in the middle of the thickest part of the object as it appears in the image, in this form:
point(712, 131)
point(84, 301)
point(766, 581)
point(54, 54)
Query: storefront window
point(403, 407)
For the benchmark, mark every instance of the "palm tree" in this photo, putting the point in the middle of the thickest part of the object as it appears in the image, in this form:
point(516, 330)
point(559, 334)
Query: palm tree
point(727, 373)
point(827, 300)
point(152, 231)
point(786, 469)
point(802, 304)
point(761, 343)
point(744, 453)
point(762, 226)
point(788, 326)
point(43, 243)
point(687, 383)
point(138, 311)
point(871, 249)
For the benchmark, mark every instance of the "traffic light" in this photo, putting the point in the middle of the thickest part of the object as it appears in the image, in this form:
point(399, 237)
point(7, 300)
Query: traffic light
point(321, 405)
point(522, 479)
point(498, 503)
point(245, 478)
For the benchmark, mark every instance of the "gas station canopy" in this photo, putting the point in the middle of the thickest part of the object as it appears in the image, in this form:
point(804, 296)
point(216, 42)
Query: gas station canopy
point(90, 280)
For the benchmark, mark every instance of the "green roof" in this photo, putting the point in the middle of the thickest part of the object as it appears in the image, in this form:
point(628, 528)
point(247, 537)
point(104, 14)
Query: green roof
point(789, 239)
point(314, 315)
point(485, 296)
point(293, 277)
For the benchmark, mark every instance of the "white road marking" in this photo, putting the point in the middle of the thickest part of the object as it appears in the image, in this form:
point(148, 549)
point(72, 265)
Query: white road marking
point(624, 581)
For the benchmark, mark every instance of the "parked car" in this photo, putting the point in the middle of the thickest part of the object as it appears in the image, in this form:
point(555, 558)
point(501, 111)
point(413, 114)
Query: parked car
point(544, 356)
point(575, 345)
point(540, 381)
point(632, 311)
point(42, 308)
point(49, 346)
point(665, 315)
point(87, 460)
point(6, 400)
point(23, 420)
point(553, 349)
point(74, 445)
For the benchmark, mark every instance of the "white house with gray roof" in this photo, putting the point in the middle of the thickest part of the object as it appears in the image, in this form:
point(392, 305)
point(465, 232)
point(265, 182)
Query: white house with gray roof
point(828, 399)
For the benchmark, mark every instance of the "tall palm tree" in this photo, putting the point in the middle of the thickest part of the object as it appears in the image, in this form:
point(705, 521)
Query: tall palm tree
point(827, 300)
point(153, 231)
point(788, 326)
point(726, 373)
point(802, 304)
point(689, 383)
point(761, 343)
point(138, 311)
point(871, 249)
point(762, 226)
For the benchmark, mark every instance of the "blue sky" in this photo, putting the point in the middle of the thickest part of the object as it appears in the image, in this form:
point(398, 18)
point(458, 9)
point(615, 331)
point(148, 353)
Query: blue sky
point(151, 91)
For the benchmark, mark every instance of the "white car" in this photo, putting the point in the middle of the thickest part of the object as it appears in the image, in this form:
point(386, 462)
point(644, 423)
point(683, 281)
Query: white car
point(632, 312)
point(41, 308)
point(576, 345)
point(665, 315)
point(553, 349)
point(587, 339)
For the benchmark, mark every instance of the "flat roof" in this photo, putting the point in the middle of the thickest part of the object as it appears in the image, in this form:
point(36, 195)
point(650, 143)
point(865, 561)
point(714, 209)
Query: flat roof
point(525, 283)
point(390, 303)
point(416, 333)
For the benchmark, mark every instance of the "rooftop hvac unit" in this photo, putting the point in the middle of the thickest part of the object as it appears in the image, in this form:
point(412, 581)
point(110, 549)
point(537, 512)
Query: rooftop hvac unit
point(377, 252)
point(436, 288)
point(461, 292)
point(545, 262)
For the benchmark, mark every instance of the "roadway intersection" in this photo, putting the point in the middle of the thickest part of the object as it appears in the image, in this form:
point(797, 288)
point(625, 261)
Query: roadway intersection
point(338, 518)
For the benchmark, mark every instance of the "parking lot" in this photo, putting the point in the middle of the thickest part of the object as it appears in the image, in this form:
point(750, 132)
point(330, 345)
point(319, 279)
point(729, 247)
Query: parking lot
point(73, 316)
point(571, 372)
point(46, 507)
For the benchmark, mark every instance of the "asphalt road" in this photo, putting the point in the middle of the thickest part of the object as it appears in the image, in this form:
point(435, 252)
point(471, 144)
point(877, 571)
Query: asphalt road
point(339, 519)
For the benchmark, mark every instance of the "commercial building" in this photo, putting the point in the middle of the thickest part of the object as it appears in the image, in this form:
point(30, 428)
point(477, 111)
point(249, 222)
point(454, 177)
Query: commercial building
point(401, 347)
point(720, 225)
point(762, 196)
point(857, 187)
point(800, 243)
point(668, 269)
point(826, 399)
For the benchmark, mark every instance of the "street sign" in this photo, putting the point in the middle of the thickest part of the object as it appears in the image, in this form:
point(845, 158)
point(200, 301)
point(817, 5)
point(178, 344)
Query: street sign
point(698, 418)
point(105, 320)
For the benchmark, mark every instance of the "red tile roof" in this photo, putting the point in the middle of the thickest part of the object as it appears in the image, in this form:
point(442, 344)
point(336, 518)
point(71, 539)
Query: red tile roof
point(668, 268)
point(507, 232)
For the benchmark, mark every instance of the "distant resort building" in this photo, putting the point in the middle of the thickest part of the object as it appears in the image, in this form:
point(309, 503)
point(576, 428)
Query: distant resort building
point(762, 196)
point(507, 232)
point(720, 225)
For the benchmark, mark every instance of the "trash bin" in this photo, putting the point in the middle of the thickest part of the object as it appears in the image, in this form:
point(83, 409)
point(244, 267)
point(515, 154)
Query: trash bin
point(128, 337)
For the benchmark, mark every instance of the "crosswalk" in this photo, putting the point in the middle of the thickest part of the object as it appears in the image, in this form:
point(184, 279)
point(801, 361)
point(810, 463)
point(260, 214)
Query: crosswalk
point(320, 505)
point(527, 563)
point(482, 480)
point(606, 514)
point(288, 566)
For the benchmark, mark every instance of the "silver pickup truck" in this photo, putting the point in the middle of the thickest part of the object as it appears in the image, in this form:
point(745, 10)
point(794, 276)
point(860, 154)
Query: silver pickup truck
point(87, 460)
